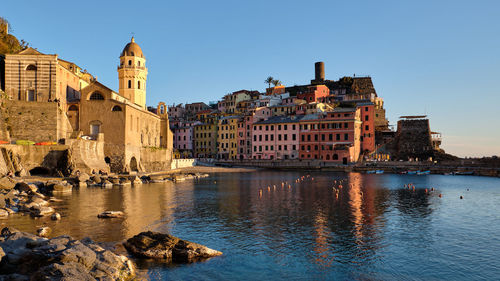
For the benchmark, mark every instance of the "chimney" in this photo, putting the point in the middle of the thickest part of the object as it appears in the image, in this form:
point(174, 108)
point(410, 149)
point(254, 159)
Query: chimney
point(319, 68)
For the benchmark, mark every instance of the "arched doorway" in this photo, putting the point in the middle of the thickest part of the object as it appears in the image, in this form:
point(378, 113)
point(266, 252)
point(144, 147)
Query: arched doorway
point(133, 165)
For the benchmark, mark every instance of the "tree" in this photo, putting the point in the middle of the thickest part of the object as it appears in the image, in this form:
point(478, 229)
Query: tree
point(269, 80)
point(276, 82)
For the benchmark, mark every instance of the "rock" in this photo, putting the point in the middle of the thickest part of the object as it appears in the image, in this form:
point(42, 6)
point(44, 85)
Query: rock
point(62, 188)
point(114, 180)
point(111, 214)
point(22, 187)
point(96, 179)
point(135, 180)
point(28, 257)
point(3, 213)
point(7, 183)
point(37, 200)
point(83, 177)
point(167, 247)
point(55, 216)
point(39, 211)
point(2, 254)
point(43, 231)
point(106, 184)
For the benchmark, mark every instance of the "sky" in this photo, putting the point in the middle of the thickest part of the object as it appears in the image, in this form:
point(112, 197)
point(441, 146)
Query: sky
point(439, 58)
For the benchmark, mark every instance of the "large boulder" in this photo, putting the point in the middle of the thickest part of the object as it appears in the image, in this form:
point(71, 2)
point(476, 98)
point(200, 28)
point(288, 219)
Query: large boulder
point(166, 247)
point(7, 183)
point(28, 257)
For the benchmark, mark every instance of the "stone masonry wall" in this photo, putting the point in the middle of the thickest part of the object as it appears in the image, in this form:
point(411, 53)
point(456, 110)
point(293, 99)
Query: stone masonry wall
point(154, 160)
point(35, 121)
point(413, 139)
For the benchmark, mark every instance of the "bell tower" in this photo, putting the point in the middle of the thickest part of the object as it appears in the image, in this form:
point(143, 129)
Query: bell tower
point(132, 74)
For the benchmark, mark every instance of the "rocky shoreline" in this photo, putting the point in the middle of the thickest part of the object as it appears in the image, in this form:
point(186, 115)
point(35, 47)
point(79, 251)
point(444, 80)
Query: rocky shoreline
point(25, 256)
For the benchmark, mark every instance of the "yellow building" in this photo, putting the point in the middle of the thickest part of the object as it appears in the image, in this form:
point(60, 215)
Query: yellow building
point(205, 140)
point(227, 137)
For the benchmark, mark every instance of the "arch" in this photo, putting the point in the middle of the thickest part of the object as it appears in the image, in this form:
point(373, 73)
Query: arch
point(138, 84)
point(132, 53)
point(129, 84)
point(96, 96)
point(139, 63)
point(31, 67)
point(107, 160)
point(116, 108)
point(133, 164)
point(73, 108)
point(129, 62)
point(41, 171)
point(328, 157)
point(335, 156)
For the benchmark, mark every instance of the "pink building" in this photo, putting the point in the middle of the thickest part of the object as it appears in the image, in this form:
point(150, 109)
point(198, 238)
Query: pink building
point(276, 138)
point(176, 112)
point(183, 138)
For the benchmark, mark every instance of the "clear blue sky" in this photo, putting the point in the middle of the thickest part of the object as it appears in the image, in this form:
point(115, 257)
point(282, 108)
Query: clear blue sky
point(440, 58)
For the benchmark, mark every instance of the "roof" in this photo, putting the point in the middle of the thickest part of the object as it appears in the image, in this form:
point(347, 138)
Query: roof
point(132, 49)
point(229, 117)
point(413, 116)
point(204, 111)
point(280, 119)
point(343, 109)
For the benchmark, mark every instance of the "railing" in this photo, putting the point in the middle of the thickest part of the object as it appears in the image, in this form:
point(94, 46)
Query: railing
point(131, 67)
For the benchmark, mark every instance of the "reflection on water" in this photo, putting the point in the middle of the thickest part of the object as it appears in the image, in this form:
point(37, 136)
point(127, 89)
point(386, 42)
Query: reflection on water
point(327, 225)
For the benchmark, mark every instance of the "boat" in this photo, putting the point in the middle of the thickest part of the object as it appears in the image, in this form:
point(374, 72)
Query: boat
point(464, 173)
point(370, 172)
point(423, 172)
point(25, 142)
point(4, 142)
point(46, 143)
point(412, 172)
point(379, 171)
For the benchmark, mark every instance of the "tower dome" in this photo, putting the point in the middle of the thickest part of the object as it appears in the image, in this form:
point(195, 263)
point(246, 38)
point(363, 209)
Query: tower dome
point(132, 49)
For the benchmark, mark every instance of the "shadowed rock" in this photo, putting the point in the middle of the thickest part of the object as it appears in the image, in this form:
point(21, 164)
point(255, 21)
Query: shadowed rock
point(167, 247)
point(111, 214)
point(28, 257)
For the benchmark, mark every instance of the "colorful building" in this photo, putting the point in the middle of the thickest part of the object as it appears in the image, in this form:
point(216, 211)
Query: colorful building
point(332, 136)
point(227, 139)
point(276, 138)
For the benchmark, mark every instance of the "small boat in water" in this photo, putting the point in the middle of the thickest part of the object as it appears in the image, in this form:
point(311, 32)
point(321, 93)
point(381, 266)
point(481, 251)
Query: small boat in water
point(464, 173)
point(370, 172)
point(4, 142)
point(412, 172)
point(379, 171)
point(423, 172)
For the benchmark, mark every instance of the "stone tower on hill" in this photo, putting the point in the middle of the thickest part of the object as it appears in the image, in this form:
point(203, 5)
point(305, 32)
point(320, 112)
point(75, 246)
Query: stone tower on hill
point(132, 74)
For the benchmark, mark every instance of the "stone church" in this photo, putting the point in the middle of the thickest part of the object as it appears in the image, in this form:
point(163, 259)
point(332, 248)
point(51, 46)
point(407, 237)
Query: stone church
point(50, 99)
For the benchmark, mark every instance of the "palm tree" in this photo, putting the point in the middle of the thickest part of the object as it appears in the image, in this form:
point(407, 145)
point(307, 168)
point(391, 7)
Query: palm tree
point(276, 82)
point(269, 80)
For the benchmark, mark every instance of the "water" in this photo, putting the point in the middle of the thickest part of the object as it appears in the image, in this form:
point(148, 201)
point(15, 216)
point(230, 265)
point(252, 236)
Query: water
point(375, 230)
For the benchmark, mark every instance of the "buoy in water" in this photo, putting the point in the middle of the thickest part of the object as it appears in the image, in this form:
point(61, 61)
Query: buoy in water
point(461, 197)
point(440, 195)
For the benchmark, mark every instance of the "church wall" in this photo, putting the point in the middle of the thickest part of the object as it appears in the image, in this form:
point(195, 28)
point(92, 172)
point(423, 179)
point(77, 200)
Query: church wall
point(19, 80)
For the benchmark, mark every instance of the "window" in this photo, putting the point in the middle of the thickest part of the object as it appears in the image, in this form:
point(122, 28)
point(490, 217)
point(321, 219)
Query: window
point(346, 136)
point(338, 137)
point(366, 108)
point(129, 62)
point(31, 67)
point(31, 95)
point(294, 137)
point(116, 108)
point(129, 84)
point(284, 147)
point(346, 125)
point(138, 84)
point(293, 127)
point(285, 136)
point(335, 157)
point(294, 147)
point(330, 137)
point(322, 137)
point(285, 127)
point(272, 137)
point(315, 137)
point(303, 137)
point(267, 137)
point(279, 137)
point(96, 96)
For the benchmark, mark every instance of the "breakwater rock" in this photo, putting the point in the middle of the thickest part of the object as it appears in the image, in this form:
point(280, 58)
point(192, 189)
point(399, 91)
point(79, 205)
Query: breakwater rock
point(168, 248)
point(24, 256)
